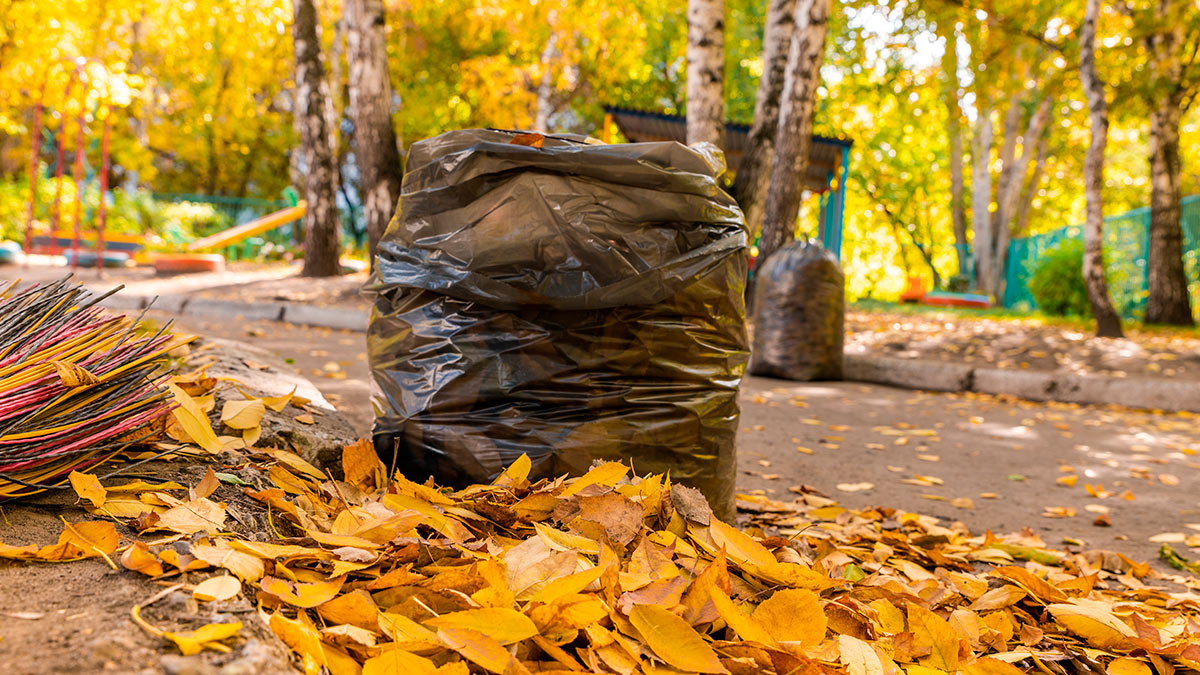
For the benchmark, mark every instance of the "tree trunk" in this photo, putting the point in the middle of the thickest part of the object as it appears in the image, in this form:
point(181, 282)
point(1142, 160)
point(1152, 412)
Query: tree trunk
point(322, 239)
point(954, 130)
point(545, 91)
point(1168, 302)
point(376, 153)
point(793, 139)
point(1108, 324)
point(1012, 179)
point(705, 72)
point(754, 173)
point(1025, 203)
point(981, 197)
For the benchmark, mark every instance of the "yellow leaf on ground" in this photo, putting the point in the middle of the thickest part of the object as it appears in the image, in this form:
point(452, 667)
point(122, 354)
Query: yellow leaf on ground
point(499, 623)
point(793, 615)
point(361, 465)
point(82, 540)
point(935, 633)
point(302, 637)
point(747, 627)
point(1093, 621)
point(246, 566)
point(243, 414)
point(197, 515)
point(858, 657)
point(219, 588)
point(395, 660)
point(207, 485)
point(139, 559)
point(739, 546)
point(989, 666)
point(1128, 666)
point(196, 641)
point(278, 403)
point(481, 650)
point(516, 473)
point(304, 595)
point(673, 640)
point(88, 487)
point(193, 420)
point(605, 474)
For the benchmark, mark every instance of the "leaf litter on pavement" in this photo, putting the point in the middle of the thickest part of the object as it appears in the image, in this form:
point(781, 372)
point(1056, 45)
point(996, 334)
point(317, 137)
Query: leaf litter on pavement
point(613, 572)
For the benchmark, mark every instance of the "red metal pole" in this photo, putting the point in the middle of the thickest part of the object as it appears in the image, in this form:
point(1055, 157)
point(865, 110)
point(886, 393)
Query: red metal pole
point(102, 215)
point(77, 176)
point(35, 145)
point(55, 219)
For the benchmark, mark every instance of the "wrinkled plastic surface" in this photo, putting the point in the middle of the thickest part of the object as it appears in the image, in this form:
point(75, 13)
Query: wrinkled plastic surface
point(574, 302)
point(800, 314)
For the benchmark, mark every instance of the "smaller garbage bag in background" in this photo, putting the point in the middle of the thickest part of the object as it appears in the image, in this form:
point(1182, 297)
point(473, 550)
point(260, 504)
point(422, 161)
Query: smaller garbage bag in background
point(800, 314)
point(565, 300)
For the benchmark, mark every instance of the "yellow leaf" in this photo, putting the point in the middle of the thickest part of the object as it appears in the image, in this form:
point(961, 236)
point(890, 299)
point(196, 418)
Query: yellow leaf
point(568, 585)
point(1095, 622)
point(793, 615)
point(139, 559)
point(243, 414)
point(219, 588)
point(858, 656)
point(197, 515)
point(739, 546)
point(748, 628)
point(516, 473)
point(73, 375)
point(193, 420)
point(195, 641)
point(1128, 666)
point(673, 640)
point(304, 595)
point(207, 485)
point(396, 660)
point(88, 487)
point(82, 540)
point(479, 648)
point(361, 465)
point(501, 624)
point(302, 637)
point(247, 567)
point(605, 474)
point(935, 633)
point(278, 403)
point(355, 608)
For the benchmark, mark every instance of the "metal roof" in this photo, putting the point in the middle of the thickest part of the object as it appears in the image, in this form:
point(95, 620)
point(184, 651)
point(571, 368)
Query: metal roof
point(825, 156)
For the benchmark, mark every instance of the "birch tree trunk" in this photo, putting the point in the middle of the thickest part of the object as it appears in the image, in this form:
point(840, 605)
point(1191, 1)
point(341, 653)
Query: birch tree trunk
point(1108, 324)
point(545, 91)
point(793, 139)
point(322, 239)
point(981, 197)
point(377, 154)
point(954, 131)
point(754, 174)
point(1012, 180)
point(1168, 302)
point(705, 72)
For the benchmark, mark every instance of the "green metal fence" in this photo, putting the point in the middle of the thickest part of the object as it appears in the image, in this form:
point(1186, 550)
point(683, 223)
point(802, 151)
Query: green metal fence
point(1126, 245)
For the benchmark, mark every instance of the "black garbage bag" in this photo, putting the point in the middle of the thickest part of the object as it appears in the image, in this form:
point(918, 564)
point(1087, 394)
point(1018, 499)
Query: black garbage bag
point(800, 314)
point(572, 302)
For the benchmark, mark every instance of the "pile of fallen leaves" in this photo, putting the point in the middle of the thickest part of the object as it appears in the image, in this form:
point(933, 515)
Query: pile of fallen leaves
point(617, 573)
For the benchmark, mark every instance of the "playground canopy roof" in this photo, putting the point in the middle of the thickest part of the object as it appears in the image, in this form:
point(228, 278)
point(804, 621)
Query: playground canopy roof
point(824, 159)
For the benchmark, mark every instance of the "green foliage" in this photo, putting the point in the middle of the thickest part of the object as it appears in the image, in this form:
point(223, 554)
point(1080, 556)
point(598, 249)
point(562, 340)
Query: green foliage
point(1057, 283)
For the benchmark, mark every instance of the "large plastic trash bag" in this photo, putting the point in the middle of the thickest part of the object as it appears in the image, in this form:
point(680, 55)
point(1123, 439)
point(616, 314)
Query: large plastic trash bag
point(800, 314)
point(572, 302)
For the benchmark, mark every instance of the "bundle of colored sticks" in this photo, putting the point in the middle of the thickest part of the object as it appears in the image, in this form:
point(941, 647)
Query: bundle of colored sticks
point(78, 386)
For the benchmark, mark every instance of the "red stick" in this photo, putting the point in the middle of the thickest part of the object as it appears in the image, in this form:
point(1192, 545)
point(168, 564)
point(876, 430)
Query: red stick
point(102, 216)
point(35, 145)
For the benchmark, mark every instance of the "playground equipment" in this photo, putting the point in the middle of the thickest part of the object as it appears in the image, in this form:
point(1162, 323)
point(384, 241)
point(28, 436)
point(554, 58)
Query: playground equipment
point(253, 228)
point(77, 75)
point(186, 263)
point(916, 293)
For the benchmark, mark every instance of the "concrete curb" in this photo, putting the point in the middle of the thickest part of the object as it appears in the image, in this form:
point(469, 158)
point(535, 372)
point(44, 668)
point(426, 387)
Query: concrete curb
point(1133, 392)
point(185, 305)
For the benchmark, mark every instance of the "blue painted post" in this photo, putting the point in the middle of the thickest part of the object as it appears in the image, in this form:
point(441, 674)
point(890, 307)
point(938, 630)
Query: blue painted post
point(838, 210)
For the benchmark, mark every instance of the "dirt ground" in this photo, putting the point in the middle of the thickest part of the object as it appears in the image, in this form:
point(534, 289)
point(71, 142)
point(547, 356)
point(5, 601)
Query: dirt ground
point(964, 446)
point(1023, 344)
